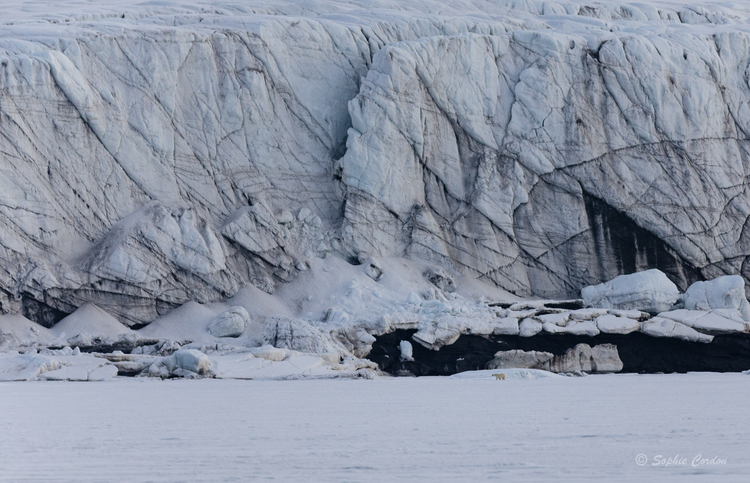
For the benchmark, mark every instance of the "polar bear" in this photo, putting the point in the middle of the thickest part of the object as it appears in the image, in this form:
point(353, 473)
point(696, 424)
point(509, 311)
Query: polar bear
point(499, 376)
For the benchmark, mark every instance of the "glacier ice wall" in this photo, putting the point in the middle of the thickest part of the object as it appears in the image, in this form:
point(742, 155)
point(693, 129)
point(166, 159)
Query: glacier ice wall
point(158, 153)
point(545, 160)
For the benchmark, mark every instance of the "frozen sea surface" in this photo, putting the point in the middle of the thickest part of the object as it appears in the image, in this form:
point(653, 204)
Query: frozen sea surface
point(390, 429)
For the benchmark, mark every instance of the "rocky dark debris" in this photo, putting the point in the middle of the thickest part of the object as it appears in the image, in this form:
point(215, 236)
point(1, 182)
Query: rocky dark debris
point(639, 353)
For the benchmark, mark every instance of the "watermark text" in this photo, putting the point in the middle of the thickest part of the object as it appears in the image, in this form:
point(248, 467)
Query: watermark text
point(680, 460)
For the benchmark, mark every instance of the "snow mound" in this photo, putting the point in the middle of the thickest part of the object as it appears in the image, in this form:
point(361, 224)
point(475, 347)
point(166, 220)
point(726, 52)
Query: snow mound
point(187, 322)
point(91, 320)
point(16, 332)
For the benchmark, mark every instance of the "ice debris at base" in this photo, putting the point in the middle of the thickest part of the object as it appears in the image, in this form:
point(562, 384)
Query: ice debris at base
point(650, 291)
point(231, 323)
point(602, 358)
point(340, 310)
point(520, 359)
point(407, 351)
point(374, 270)
point(661, 327)
point(54, 365)
point(613, 324)
point(727, 292)
point(297, 334)
point(718, 321)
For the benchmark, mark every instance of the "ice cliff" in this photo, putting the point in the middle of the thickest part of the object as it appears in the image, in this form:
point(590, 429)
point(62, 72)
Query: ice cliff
point(165, 152)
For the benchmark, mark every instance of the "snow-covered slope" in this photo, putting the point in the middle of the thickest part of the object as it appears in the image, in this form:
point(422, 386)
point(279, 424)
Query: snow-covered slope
point(165, 152)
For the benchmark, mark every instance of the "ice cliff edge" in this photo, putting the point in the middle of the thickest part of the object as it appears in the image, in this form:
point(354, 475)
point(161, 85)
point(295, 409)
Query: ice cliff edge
point(157, 154)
